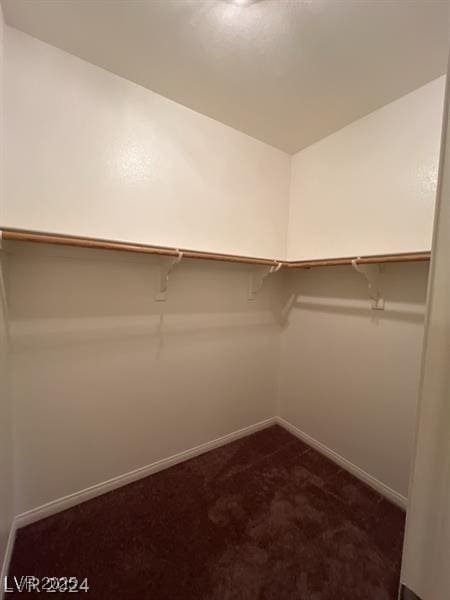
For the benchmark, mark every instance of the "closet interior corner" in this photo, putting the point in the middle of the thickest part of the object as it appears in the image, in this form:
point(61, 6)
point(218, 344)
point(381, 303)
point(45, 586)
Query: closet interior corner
point(217, 219)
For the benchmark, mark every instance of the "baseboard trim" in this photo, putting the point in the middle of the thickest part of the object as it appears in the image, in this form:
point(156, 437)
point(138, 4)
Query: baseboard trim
point(374, 483)
point(407, 594)
point(7, 557)
point(56, 506)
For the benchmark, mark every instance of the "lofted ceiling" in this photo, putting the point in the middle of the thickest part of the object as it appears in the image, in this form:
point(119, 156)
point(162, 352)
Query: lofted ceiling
point(287, 72)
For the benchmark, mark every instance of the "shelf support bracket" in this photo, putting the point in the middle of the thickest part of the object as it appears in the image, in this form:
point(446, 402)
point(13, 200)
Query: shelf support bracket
point(164, 274)
point(257, 278)
point(372, 274)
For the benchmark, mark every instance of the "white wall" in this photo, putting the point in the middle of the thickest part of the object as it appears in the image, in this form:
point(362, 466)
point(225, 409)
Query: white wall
point(349, 375)
point(101, 385)
point(92, 154)
point(426, 556)
point(107, 380)
point(6, 483)
point(370, 187)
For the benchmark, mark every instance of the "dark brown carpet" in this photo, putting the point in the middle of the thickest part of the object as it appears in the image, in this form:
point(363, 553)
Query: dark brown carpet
point(264, 518)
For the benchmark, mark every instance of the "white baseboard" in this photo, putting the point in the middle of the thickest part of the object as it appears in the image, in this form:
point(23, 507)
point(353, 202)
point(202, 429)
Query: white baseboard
point(56, 506)
point(7, 557)
point(374, 483)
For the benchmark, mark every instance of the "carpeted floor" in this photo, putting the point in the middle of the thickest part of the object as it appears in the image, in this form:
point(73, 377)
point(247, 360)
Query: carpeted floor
point(264, 518)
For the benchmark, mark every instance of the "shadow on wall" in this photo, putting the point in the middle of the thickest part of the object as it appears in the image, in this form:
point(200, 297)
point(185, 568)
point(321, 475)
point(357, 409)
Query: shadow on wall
point(68, 296)
point(341, 290)
point(348, 374)
point(107, 380)
point(102, 374)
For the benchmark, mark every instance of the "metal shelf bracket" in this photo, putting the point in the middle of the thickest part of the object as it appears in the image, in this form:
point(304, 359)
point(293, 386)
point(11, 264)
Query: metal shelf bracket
point(372, 273)
point(257, 278)
point(164, 273)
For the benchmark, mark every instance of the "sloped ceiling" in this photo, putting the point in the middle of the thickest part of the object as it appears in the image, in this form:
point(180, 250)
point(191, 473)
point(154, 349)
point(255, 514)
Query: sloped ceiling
point(286, 72)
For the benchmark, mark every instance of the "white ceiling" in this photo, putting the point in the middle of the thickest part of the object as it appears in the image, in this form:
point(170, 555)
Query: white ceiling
point(287, 72)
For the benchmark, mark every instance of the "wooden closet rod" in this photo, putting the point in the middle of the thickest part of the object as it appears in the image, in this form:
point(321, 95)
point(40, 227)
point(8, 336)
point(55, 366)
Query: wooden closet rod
point(361, 260)
point(82, 242)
